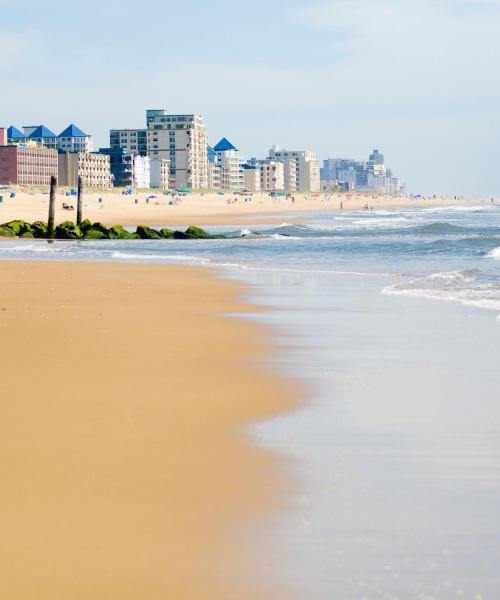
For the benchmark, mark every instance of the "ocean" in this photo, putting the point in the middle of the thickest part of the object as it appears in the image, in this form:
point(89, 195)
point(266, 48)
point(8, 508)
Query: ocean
point(391, 319)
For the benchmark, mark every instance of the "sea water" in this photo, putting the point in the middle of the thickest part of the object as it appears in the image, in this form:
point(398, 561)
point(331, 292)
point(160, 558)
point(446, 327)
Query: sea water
point(391, 319)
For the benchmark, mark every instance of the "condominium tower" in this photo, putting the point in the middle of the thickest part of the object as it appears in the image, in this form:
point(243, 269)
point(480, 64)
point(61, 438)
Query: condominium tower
point(301, 169)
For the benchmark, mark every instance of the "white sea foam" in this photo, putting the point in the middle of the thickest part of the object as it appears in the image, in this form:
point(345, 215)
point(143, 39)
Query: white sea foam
point(165, 257)
point(471, 297)
point(495, 253)
point(454, 275)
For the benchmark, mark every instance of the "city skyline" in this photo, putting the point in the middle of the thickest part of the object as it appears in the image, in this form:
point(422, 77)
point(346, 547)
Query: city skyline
point(423, 91)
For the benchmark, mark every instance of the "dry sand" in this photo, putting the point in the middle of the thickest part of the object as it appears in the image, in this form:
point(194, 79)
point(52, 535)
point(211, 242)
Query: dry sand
point(125, 474)
point(195, 209)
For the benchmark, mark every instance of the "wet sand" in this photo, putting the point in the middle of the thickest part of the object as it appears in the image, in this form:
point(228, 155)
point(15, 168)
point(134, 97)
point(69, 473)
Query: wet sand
point(125, 472)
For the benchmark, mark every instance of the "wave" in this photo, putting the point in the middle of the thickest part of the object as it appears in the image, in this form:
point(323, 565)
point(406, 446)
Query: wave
point(495, 253)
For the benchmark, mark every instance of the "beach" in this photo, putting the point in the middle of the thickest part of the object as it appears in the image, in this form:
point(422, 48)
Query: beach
point(195, 208)
point(126, 472)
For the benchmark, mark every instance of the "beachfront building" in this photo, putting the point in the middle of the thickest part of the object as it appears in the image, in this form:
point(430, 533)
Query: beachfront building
point(251, 177)
point(130, 140)
point(229, 161)
point(142, 172)
point(25, 165)
point(94, 169)
point(272, 176)
point(121, 165)
point(160, 173)
point(3, 136)
point(213, 170)
point(302, 169)
point(73, 139)
point(181, 139)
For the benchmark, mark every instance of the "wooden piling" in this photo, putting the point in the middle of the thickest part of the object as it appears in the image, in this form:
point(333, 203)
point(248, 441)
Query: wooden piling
point(79, 202)
point(52, 207)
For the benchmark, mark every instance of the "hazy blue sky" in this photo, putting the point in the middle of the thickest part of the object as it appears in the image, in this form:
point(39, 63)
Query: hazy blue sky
point(417, 79)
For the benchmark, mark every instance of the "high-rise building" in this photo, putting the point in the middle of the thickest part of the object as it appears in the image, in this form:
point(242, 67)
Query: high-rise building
point(24, 165)
point(229, 161)
point(130, 140)
point(142, 172)
point(272, 176)
point(306, 167)
point(181, 139)
point(121, 165)
point(94, 169)
point(213, 170)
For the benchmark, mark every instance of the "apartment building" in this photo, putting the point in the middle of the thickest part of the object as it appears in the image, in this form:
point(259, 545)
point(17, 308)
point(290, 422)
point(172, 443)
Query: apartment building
point(213, 170)
point(272, 176)
point(3, 136)
point(251, 177)
point(307, 169)
point(73, 139)
point(142, 172)
point(181, 139)
point(23, 165)
point(229, 161)
point(130, 140)
point(160, 173)
point(93, 168)
point(122, 166)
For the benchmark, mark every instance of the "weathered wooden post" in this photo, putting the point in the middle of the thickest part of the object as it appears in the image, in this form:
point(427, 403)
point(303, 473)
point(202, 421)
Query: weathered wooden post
point(79, 202)
point(52, 207)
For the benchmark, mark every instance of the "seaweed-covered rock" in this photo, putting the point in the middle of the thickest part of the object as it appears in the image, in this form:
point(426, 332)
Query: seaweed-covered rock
point(6, 231)
point(85, 225)
point(146, 233)
point(197, 233)
point(117, 232)
point(18, 226)
point(180, 235)
point(100, 227)
point(95, 234)
point(39, 229)
point(167, 233)
point(27, 234)
point(67, 230)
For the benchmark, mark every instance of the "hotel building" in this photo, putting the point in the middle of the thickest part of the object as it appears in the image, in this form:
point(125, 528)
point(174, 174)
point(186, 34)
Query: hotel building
point(180, 139)
point(72, 139)
point(23, 165)
point(229, 162)
point(93, 168)
point(272, 176)
point(303, 166)
point(160, 173)
point(251, 177)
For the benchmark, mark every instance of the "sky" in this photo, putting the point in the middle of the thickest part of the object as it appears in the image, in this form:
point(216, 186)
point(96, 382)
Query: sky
point(418, 80)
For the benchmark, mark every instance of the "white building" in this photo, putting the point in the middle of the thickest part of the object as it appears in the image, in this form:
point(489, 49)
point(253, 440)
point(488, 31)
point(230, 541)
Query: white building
point(159, 173)
point(142, 172)
point(272, 176)
point(229, 161)
point(181, 139)
point(73, 139)
point(307, 168)
point(213, 170)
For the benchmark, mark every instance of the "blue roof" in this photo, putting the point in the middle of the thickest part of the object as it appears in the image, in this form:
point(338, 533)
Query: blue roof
point(211, 154)
point(13, 133)
point(247, 166)
point(224, 145)
point(72, 131)
point(42, 132)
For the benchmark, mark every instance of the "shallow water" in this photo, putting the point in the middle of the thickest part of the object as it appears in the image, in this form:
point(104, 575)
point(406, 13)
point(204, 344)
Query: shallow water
point(391, 317)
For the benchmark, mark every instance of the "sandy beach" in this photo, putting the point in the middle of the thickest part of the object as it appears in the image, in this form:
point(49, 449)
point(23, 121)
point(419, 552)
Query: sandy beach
point(125, 472)
point(197, 209)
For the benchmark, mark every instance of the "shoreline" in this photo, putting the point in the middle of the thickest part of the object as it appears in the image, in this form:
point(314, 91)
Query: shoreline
point(197, 209)
point(126, 471)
